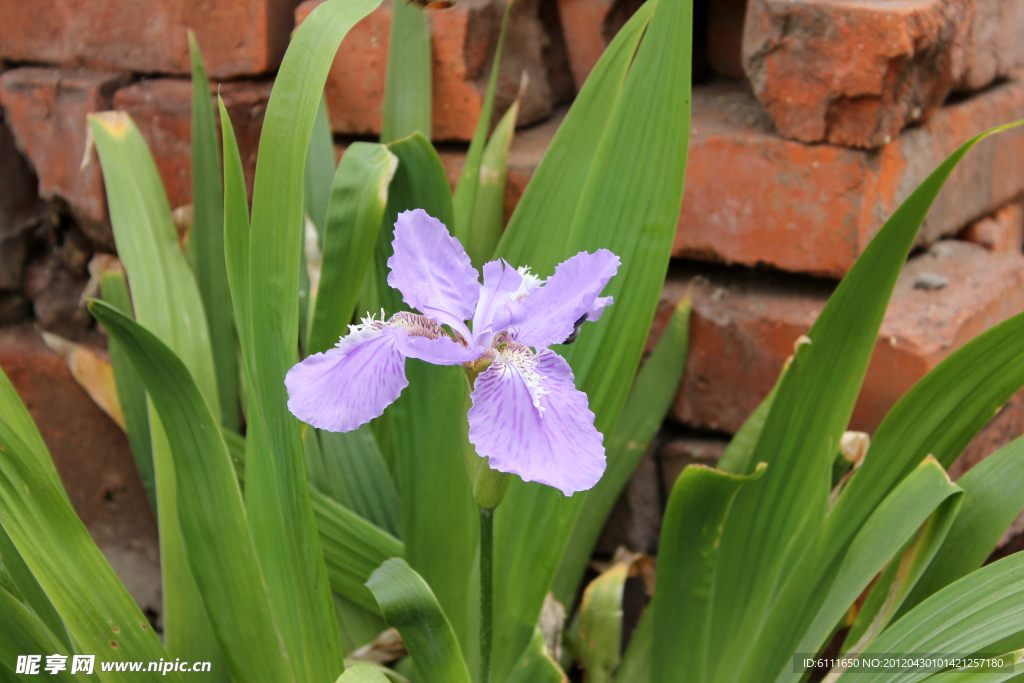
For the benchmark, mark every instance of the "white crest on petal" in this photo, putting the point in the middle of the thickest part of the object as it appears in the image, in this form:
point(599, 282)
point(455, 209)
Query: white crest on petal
point(530, 281)
point(523, 359)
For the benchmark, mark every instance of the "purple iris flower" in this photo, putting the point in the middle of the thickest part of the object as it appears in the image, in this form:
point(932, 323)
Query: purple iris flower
point(527, 416)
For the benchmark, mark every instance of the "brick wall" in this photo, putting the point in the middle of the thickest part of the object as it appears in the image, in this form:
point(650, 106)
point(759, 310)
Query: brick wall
point(811, 122)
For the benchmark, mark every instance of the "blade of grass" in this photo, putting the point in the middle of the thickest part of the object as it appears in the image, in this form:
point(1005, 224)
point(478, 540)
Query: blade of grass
point(648, 402)
point(464, 199)
point(131, 393)
point(690, 538)
point(776, 520)
point(407, 86)
point(357, 477)
point(22, 633)
point(277, 494)
point(207, 239)
point(210, 511)
point(408, 605)
point(69, 567)
point(535, 664)
point(358, 197)
point(167, 303)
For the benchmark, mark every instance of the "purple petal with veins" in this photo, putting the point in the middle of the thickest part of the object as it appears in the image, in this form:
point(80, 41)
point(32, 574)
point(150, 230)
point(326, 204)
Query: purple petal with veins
point(530, 420)
point(432, 271)
point(346, 386)
point(497, 308)
point(552, 310)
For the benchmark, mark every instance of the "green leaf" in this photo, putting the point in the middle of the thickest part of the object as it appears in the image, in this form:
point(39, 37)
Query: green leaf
point(776, 520)
point(648, 402)
point(893, 524)
point(357, 200)
point(979, 609)
point(357, 477)
point(22, 633)
point(362, 673)
point(465, 199)
point(408, 605)
point(691, 534)
point(737, 456)
point(69, 567)
point(207, 240)
point(535, 664)
point(489, 207)
point(407, 86)
point(320, 168)
point(636, 661)
point(357, 625)
point(211, 514)
point(131, 393)
point(629, 194)
point(967, 676)
point(423, 428)
point(600, 619)
point(994, 497)
point(166, 301)
point(353, 548)
point(277, 495)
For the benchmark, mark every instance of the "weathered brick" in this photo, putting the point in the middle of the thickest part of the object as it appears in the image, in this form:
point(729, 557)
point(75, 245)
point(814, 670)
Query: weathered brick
point(856, 73)
point(583, 24)
point(1002, 231)
point(18, 205)
point(46, 109)
point(754, 198)
point(92, 456)
point(463, 43)
point(238, 37)
point(162, 110)
point(744, 325)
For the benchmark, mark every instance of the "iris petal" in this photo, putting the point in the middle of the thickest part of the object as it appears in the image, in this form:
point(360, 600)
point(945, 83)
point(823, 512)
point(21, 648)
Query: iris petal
point(543, 433)
point(552, 310)
point(440, 351)
point(349, 385)
point(432, 271)
point(496, 309)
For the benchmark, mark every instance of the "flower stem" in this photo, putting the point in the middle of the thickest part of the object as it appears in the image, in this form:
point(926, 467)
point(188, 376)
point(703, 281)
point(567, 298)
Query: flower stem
point(486, 592)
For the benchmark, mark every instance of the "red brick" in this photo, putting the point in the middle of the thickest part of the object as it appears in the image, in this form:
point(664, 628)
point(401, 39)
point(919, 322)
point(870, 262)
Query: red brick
point(745, 323)
point(583, 24)
point(238, 37)
point(162, 109)
point(1002, 231)
point(92, 456)
point(19, 204)
point(754, 198)
point(856, 73)
point(463, 43)
point(46, 109)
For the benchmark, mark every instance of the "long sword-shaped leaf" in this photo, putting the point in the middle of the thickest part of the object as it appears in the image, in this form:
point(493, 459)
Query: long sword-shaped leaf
point(320, 168)
point(995, 496)
point(277, 495)
point(776, 520)
point(424, 427)
point(131, 393)
point(892, 525)
point(536, 665)
point(649, 399)
point(407, 88)
point(629, 203)
point(967, 676)
point(167, 303)
point(690, 538)
point(212, 517)
point(966, 616)
point(408, 605)
point(362, 673)
point(353, 548)
point(489, 205)
point(464, 200)
point(22, 633)
point(358, 197)
point(358, 478)
point(99, 614)
point(207, 240)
